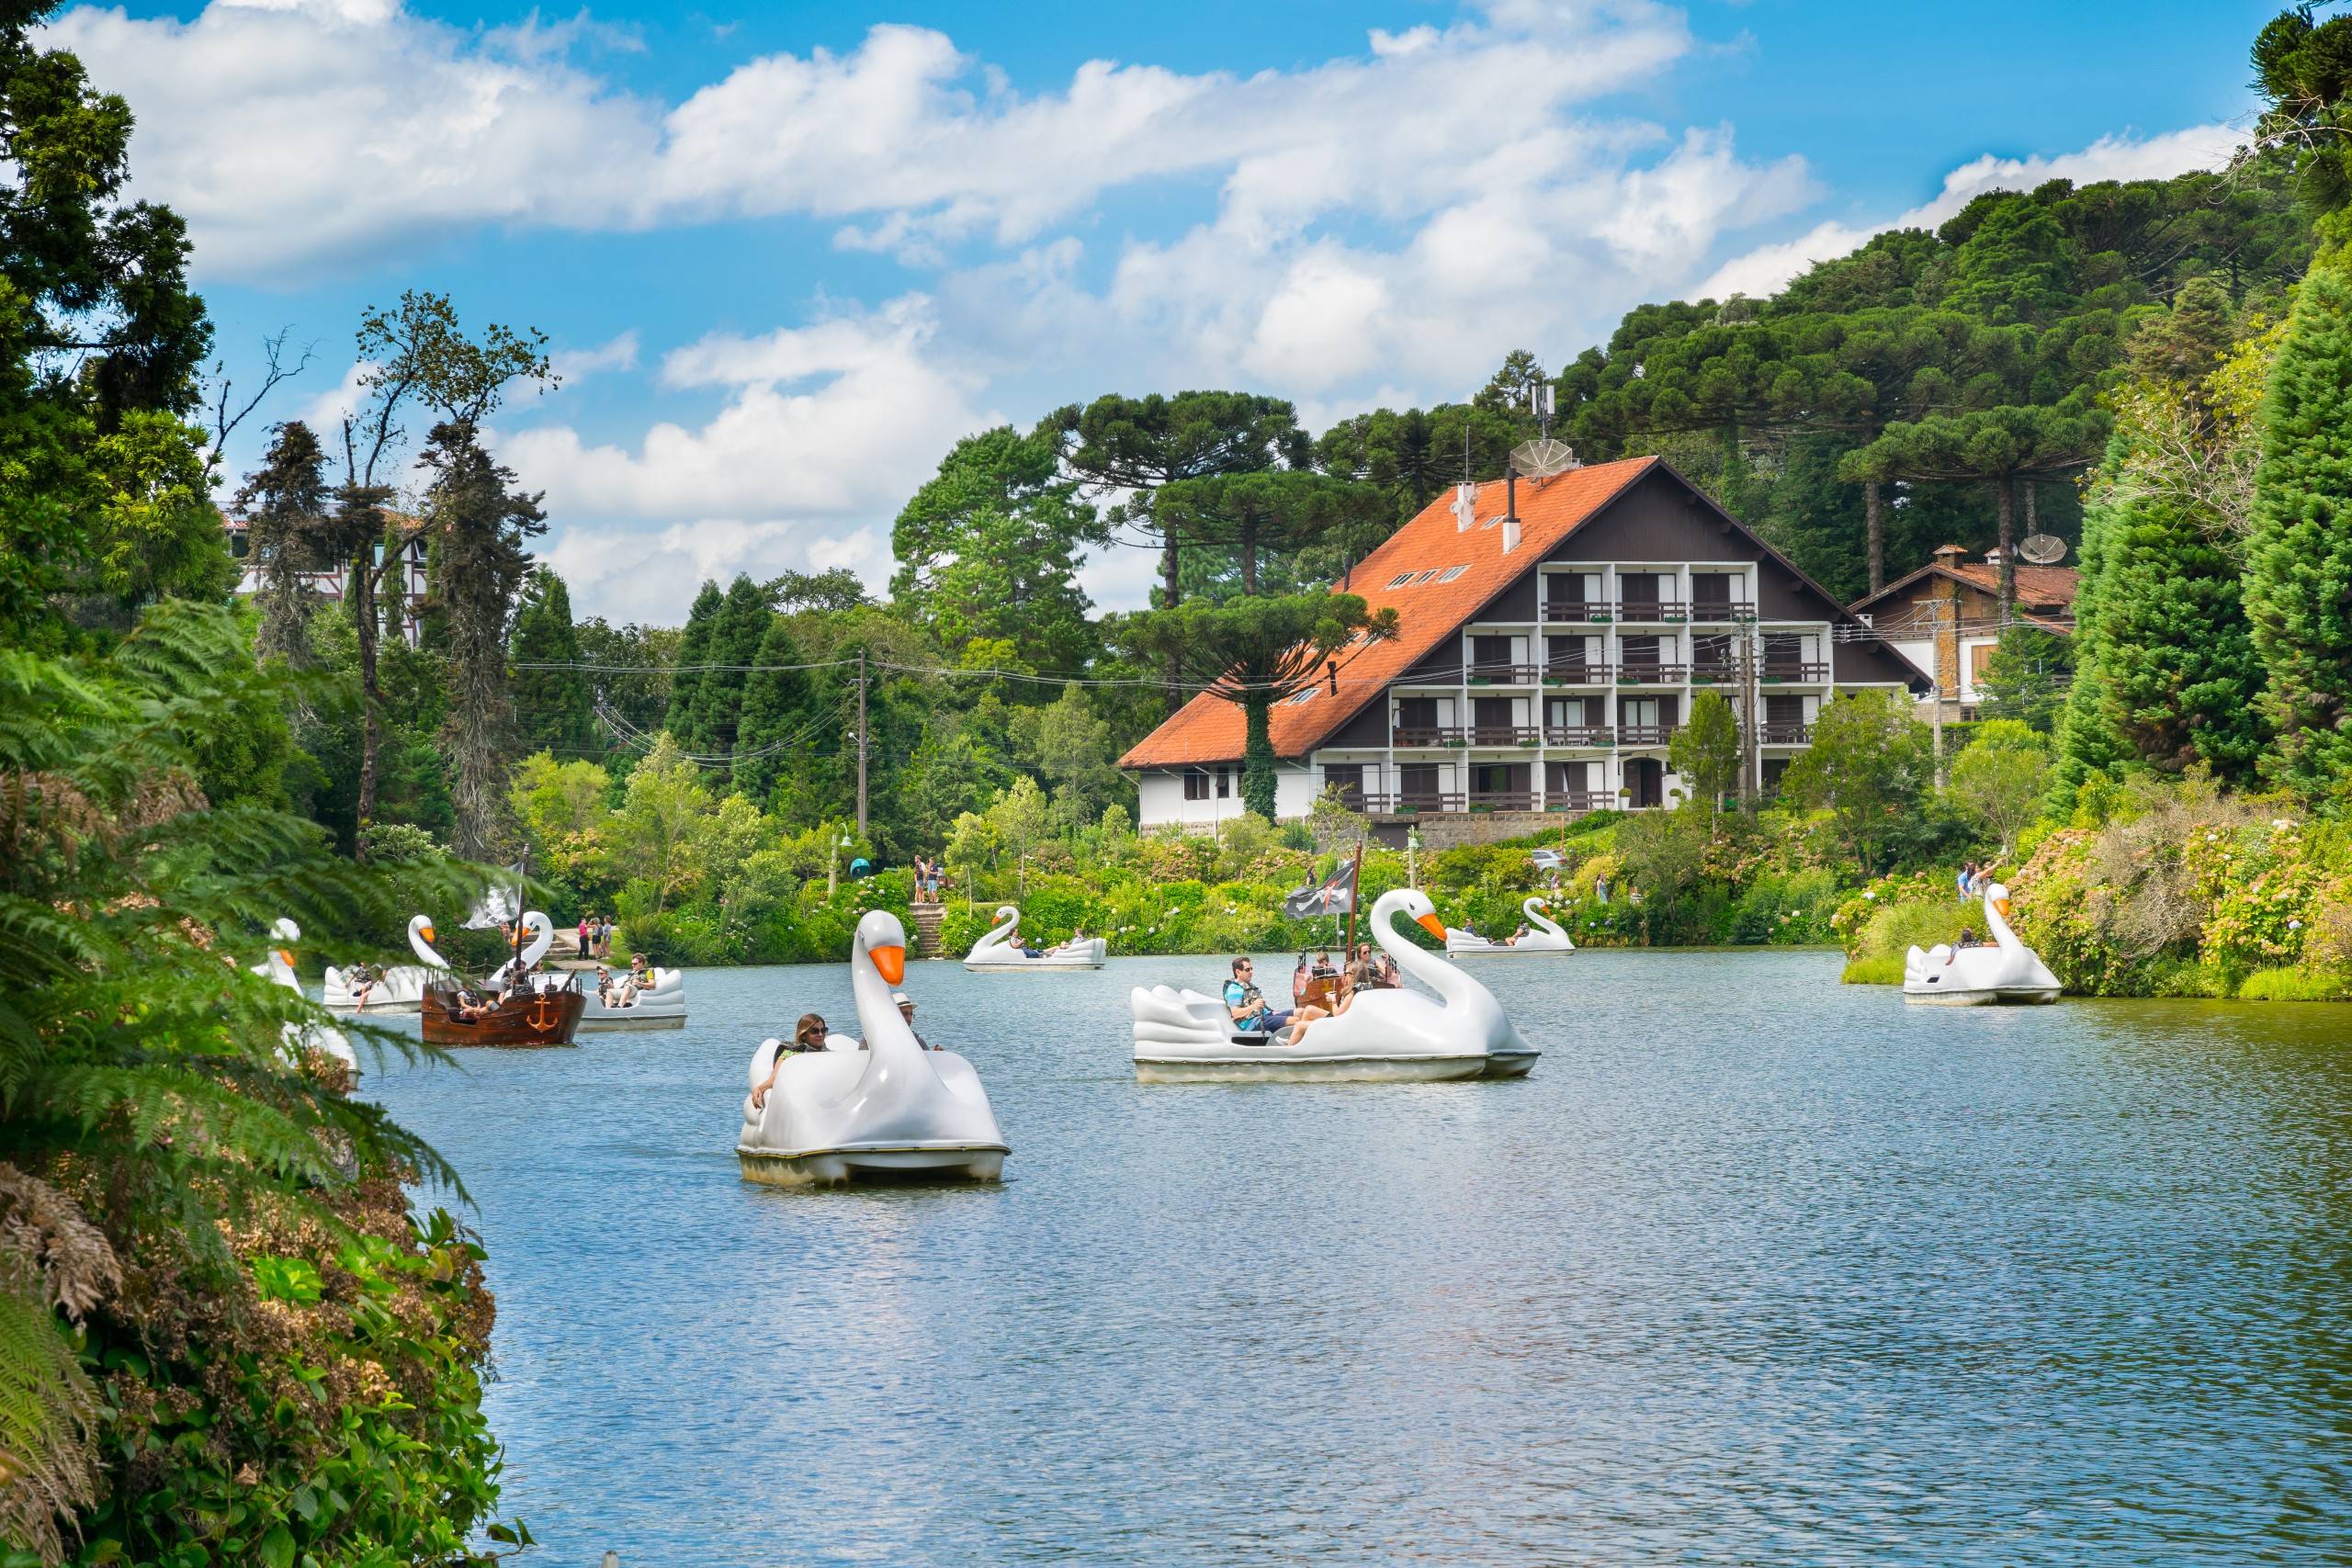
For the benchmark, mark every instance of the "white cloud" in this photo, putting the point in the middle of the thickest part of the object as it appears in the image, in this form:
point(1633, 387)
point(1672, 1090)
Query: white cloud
point(575, 366)
point(1765, 269)
point(825, 430)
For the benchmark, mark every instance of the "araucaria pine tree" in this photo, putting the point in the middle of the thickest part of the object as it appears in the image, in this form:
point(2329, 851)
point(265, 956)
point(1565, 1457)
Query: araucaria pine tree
point(2299, 563)
point(283, 503)
point(553, 710)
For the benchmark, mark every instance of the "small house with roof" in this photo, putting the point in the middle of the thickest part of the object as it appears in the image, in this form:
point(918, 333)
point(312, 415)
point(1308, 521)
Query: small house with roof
point(1552, 635)
point(1945, 618)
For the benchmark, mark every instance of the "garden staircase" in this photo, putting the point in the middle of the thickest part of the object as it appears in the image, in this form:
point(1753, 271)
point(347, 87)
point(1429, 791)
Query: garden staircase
point(927, 919)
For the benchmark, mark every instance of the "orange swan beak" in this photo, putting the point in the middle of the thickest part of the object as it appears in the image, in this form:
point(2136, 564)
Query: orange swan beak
point(891, 962)
point(427, 929)
point(2003, 906)
point(1432, 925)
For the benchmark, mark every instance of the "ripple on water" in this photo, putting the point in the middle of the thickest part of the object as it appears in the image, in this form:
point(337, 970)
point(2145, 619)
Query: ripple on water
point(1757, 1268)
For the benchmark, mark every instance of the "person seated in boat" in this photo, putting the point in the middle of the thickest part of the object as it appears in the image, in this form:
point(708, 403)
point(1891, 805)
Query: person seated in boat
point(1248, 1009)
point(468, 1007)
point(907, 1012)
point(1324, 968)
point(363, 977)
point(808, 1035)
point(1967, 938)
point(1298, 978)
point(1077, 943)
point(1512, 940)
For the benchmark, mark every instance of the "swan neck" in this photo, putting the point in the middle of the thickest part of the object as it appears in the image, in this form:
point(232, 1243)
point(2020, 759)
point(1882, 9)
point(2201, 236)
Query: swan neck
point(879, 1027)
point(1408, 956)
point(2002, 934)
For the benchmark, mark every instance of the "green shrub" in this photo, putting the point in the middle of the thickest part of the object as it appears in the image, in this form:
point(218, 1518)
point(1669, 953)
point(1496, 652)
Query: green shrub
point(2291, 986)
point(1896, 929)
point(1873, 972)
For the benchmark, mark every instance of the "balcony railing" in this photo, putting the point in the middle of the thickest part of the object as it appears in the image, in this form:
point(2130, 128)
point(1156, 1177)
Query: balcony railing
point(1578, 800)
point(1504, 734)
point(1713, 672)
point(1501, 674)
point(1502, 800)
point(1704, 614)
point(1575, 613)
point(1649, 674)
point(1787, 734)
point(1646, 611)
point(1645, 734)
point(1418, 737)
point(1580, 735)
point(1778, 672)
point(1577, 672)
point(1406, 802)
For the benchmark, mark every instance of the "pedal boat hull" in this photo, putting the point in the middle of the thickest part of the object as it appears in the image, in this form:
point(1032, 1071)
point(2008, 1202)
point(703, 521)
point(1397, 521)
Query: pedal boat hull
point(879, 1162)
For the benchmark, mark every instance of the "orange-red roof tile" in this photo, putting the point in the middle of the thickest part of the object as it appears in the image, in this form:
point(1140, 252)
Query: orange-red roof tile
point(1210, 730)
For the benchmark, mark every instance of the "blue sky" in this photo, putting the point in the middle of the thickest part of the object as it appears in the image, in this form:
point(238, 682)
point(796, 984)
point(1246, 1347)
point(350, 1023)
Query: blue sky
point(790, 254)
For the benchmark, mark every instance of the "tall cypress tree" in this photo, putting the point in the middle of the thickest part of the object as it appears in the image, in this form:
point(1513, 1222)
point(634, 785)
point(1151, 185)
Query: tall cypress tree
point(776, 706)
point(741, 621)
point(552, 709)
point(2298, 564)
point(694, 652)
point(283, 503)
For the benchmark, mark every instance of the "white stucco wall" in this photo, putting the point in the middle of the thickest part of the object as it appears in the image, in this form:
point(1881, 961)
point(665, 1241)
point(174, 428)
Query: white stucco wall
point(1159, 796)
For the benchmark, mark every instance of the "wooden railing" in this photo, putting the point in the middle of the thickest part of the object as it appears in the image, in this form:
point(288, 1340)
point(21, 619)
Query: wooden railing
point(1704, 614)
point(1645, 734)
point(1578, 673)
point(1501, 674)
point(1778, 671)
point(1421, 737)
point(1649, 674)
point(1580, 735)
point(1412, 802)
point(1575, 613)
point(1578, 800)
point(1787, 734)
point(1644, 611)
point(1712, 671)
point(1504, 734)
point(1502, 800)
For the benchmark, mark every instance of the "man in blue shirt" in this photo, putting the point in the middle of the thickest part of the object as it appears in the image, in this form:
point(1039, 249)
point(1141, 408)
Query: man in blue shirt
point(1246, 1005)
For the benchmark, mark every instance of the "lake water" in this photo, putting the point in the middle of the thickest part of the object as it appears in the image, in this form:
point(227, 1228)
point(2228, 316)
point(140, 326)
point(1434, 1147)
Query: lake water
point(1756, 1269)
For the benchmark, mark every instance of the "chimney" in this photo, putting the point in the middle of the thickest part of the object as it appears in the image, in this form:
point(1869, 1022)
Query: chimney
point(1466, 506)
point(1511, 511)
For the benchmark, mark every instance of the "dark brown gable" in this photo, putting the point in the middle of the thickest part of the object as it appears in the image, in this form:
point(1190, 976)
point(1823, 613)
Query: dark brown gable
point(1658, 518)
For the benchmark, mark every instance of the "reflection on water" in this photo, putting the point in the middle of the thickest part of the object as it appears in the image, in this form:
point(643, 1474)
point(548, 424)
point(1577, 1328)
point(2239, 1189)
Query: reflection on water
point(1757, 1268)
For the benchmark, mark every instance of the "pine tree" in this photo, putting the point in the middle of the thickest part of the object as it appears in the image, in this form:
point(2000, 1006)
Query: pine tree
point(736, 629)
point(2299, 563)
point(283, 503)
point(553, 712)
point(776, 703)
point(694, 652)
point(477, 525)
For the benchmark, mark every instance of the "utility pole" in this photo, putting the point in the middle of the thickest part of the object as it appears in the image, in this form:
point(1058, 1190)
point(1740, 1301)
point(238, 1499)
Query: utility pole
point(861, 743)
point(1938, 720)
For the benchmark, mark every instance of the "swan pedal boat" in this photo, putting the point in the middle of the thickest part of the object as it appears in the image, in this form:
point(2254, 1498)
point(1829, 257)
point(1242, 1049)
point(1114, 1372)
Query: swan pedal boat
point(2007, 973)
point(1543, 935)
point(404, 985)
point(663, 1005)
point(1000, 950)
point(1386, 1036)
point(279, 966)
point(888, 1110)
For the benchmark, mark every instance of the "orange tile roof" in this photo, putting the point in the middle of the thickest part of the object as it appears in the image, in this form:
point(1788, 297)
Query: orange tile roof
point(2053, 585)
point(1210, 730)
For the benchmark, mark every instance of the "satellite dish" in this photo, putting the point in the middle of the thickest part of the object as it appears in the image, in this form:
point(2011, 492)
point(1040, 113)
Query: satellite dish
point(1542, 459)
point(2043, 549)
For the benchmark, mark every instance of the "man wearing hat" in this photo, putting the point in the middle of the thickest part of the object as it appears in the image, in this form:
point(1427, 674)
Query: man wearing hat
point(907, 1012)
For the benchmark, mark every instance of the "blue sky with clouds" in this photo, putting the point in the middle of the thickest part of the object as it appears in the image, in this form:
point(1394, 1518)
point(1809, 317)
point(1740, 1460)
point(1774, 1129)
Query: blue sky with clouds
point(790, 254)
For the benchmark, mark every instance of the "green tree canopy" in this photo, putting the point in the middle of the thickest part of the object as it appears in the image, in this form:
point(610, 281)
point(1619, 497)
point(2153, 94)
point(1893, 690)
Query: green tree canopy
point(553, 708)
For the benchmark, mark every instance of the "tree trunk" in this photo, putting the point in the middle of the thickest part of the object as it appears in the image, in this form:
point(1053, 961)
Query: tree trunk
point(1258, 754)
point(1172, 592)
point(363, 610)
point(1250, 555)
point(1876, 525)
point(2005, 491)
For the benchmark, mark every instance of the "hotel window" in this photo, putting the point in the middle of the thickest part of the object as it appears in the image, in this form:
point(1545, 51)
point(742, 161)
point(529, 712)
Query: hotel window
point(1345, 777)
point(1196, 784)
point(1711, 590)
point(1223, 784)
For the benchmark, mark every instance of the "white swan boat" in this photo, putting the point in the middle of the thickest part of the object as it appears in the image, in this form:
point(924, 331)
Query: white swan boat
point(299, 1037)
point(1543, 935)
point(1000, 949)
point(661, 1005)
point(2008, 972)
point(401, 989)
point(888, 1109)
point(1385, 1036)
